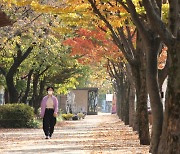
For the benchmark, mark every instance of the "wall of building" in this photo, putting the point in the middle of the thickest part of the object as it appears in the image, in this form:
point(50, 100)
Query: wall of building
point(62, 102)
point(81, 100)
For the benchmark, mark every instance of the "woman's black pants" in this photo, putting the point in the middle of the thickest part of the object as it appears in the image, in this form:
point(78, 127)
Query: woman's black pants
point(49, 122)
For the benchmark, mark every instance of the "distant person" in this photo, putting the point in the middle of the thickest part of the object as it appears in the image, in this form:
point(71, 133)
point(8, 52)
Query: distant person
point(49, 110)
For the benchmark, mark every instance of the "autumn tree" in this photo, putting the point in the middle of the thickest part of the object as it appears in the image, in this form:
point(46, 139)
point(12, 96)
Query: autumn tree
point(124, 41)
point(169, 34)
point(109, 15)
point(92, 46)
point(33, 68)
point(146, 15)
point(16, 46)
point(122, 85)
point(151, 50)
point(81, 15)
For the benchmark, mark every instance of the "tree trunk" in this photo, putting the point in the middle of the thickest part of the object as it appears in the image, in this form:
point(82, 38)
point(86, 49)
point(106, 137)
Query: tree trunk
point(116, 84)
point(119, 82)
point(125, 100)
point(39, 96)
point(24, 98)
point(170, 138)
point(122, 96)
point(35, 86)
point(36, 97)
point(41, 89)
point(132, 107)
point(141, 110)
point(139, 74)
point(118, 95)
point(126, 120)
point(13, 93)
point(154, 92)
point(131, 97)
point(6, 96)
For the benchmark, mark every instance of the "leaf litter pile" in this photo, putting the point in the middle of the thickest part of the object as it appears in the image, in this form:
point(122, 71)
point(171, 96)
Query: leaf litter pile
point(96, 134)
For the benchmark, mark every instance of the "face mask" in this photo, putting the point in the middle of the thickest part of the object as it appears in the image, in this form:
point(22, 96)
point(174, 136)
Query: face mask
point(50, 92)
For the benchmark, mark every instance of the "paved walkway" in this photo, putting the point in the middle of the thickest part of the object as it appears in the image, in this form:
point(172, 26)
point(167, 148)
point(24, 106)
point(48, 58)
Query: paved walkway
point(96, 134)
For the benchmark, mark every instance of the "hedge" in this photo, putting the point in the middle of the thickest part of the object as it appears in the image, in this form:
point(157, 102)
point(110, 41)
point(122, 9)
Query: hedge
point(16, 115)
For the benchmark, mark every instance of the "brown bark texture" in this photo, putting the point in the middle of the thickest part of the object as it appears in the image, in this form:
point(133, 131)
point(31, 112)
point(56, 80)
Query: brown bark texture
point(132, 107)
point(154, 92)
point(141, 107)
point(170, 138)
point(139, 74)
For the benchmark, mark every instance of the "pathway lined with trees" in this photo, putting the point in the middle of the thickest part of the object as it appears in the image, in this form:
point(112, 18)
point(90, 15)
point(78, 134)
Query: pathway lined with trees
point(131, 45)
point(95, 134)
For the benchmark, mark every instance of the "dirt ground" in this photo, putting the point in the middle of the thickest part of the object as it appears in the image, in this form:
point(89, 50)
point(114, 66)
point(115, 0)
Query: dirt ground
point(96, 134)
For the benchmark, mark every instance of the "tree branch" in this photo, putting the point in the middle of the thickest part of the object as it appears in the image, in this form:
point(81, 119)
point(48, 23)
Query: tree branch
point(114, 34)
point(33, 20)
point(174, 17)
point(115, 70)
point(23, 29)
point(128, 50)
point(135, 18)
point(96, 11)
point(19, 60)
point(157, 23)
point(130, 37)
point(157, 6)
point(44, 70)
point(109, 69)
point(28, 51)
point(124, 5)
point(19, 52)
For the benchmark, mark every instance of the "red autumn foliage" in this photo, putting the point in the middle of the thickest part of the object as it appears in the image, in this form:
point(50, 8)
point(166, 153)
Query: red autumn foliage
point(162, 58)
point(92, 45)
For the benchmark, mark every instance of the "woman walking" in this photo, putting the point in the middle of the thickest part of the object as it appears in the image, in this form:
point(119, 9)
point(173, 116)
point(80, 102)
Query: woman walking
point(49, 110)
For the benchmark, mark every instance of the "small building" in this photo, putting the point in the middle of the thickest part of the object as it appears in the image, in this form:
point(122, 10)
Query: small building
point(80, 100)
point(62, 102)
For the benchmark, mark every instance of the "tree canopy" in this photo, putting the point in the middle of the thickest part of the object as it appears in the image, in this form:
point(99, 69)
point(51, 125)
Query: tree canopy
point(69, 43)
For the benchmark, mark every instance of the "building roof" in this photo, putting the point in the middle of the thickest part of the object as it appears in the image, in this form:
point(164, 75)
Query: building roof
point(87, 88)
